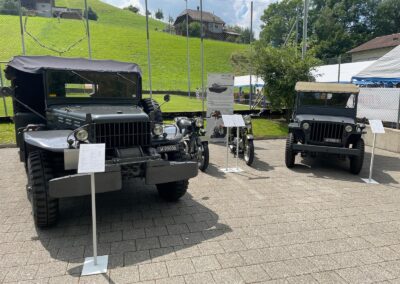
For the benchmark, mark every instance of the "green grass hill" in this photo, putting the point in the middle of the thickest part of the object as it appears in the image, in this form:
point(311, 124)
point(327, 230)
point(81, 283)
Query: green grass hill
point(120, 35)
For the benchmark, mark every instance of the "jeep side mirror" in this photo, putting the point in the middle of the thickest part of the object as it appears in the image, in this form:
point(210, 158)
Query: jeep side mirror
point(167, 98)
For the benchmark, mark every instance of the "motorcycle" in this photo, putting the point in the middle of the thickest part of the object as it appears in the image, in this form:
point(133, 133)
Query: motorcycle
point(194, 139)
point(246, 144)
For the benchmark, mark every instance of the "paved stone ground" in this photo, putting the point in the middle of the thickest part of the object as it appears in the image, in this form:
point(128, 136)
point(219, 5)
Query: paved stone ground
point(316, 223)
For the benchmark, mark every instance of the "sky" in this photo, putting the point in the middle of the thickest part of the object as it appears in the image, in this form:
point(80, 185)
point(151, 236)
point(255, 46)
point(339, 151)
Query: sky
point(233, 12)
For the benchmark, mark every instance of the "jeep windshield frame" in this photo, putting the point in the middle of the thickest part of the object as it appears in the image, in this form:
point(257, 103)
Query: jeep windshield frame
point(69, 87)
point(322, 103)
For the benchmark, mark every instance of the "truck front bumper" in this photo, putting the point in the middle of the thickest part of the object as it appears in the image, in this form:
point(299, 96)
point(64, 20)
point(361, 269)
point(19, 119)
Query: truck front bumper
point(156, 172)
point(325, 149)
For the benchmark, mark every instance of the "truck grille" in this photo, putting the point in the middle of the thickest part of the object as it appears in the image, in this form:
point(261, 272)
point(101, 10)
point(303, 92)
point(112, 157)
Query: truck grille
point(123, 134)
point(326, 132)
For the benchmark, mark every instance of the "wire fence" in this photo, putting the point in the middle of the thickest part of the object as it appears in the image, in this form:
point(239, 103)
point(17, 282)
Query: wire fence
point(176, 50)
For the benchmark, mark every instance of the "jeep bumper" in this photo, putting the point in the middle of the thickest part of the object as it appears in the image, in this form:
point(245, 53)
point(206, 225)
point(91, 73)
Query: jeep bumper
point(325, 149)
point(156, 172)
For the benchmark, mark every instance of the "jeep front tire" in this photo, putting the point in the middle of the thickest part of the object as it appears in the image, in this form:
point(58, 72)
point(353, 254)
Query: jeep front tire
point(44, 208)
point(290, 155)
point(356, 162)
point(173, 191)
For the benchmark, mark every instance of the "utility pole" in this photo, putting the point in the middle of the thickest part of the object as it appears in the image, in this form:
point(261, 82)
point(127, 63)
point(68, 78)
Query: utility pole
point(88, 30)
point(251, 63)
point(187, 46)
point(21, 27)
point(148, 49)
point(304, 50)
point(202, 55)
point(339, 63)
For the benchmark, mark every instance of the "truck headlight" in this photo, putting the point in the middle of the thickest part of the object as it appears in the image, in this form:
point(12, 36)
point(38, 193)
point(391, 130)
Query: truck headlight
point(81, 135)
point(158, 129)
point(247, 119)
point(306, 126)
point(199, 122)
point(348, 128)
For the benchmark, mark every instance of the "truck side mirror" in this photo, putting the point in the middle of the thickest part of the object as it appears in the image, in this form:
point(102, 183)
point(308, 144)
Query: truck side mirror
point(6, 91)
point(167, 98)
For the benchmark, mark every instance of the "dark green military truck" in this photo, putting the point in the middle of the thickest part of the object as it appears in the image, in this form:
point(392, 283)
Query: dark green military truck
point(60, 103)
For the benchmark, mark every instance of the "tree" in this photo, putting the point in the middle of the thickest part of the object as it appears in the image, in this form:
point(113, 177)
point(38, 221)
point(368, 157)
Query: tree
point(91, 14)
point(133, 9)
point(159, 14)
point(281, 70)
point(387, 19)
point(8, 7)
point(194, 29)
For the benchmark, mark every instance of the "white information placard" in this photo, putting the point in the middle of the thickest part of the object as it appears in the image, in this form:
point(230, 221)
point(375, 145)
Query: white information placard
point(239, 121)
point(228, 120)
point(376, 126)
point(92, 158)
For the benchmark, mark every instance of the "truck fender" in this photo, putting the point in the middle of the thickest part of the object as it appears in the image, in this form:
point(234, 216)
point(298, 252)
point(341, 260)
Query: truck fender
point(49, 140)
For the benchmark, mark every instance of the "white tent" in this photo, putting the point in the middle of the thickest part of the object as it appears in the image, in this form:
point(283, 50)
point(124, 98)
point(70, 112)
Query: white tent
point(385, 70)
point(244, 81)
point(330, 73)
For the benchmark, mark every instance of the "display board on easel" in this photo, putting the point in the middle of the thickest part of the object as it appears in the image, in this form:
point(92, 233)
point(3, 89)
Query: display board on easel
point(219, 98)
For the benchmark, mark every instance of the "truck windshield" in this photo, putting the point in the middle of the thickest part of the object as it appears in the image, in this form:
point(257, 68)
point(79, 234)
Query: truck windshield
point(78, 84)
point(338, 100)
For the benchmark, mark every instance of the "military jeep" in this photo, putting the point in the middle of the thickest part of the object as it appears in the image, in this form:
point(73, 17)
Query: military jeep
point(324, 122)
point(60, 103)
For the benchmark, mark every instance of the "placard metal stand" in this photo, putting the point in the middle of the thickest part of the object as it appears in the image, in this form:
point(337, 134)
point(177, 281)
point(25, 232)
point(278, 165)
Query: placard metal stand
point(91, 161)
point(232, 121)
point(376, 128)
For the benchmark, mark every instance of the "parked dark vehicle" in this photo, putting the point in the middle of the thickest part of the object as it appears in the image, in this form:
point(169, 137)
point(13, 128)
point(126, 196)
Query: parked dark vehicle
point(194, 140)
point(60, 103)
point(246, 138)
point(324, 122)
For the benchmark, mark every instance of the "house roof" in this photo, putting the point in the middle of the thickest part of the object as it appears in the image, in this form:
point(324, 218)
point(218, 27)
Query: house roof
point(195, 15)
point(379, 42)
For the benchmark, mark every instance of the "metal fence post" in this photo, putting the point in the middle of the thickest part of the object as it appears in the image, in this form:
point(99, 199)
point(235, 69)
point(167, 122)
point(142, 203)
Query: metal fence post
point(398, 113)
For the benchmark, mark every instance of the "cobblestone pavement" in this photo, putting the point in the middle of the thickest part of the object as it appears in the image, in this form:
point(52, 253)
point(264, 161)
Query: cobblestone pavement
point(315, 223)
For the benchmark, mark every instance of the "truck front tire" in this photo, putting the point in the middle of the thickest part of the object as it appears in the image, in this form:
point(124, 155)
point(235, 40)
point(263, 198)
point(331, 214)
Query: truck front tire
point(44, 208)
point(172, 191)
point(290, 156)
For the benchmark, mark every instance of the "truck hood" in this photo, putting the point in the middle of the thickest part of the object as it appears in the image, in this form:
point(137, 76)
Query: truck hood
point(101, 113)
point(329, 118)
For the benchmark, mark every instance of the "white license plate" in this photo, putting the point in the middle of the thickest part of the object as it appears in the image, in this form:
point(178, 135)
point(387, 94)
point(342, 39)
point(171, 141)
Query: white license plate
point(331, 140)
point(167, 148)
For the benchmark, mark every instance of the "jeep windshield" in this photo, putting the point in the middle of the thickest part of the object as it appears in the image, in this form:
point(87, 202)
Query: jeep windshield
point(80, 85)
point(331, 100)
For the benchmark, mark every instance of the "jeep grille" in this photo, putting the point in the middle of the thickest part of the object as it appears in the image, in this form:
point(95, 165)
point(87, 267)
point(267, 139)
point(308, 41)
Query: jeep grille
point(123, 134)
point(326, 132)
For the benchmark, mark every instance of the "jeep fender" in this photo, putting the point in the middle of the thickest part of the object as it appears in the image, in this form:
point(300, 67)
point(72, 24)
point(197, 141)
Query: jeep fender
point(49, 140)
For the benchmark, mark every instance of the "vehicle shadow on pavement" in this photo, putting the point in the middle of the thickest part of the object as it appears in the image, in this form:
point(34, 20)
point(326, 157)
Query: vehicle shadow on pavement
point(334, 168)
point(214, 171)
point(135, 226)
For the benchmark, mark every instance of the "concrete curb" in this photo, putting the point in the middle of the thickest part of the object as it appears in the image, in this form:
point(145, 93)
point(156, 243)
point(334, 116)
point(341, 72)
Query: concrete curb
point(8, 146)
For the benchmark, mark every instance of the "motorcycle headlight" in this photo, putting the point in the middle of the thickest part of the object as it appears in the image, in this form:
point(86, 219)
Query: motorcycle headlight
point(247, 119)
point(199, 122)
point(81, 135)
point(348, 128)
point(306, 126)
point(158, 129)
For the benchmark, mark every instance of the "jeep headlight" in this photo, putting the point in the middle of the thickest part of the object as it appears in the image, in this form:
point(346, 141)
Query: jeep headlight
point(306, 126)
point(199, 122)
point(158, 130)
point(348, 128)
point(81, 135)
point(247, 119)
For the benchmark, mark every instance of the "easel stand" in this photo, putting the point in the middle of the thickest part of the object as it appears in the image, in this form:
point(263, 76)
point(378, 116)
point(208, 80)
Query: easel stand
point(371, 166)
point(91, 160)
point(376, 128)
point(232, 121)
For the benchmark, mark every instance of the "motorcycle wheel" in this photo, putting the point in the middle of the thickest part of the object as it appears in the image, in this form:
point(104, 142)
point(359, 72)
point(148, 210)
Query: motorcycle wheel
point(203, 157)
point(249, 152)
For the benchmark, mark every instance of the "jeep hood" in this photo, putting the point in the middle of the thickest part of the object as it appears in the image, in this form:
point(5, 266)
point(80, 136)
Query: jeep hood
point(328, 118)
point(102, 113)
